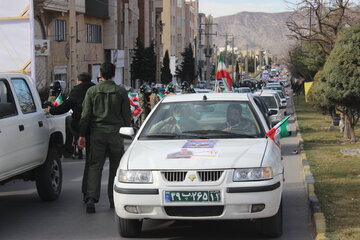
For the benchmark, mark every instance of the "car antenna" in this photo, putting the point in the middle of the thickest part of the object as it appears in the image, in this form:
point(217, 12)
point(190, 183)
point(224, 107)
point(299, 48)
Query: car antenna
point(204, 97)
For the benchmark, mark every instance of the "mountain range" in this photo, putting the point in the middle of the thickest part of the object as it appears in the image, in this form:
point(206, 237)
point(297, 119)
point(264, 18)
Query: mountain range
point(254, 31)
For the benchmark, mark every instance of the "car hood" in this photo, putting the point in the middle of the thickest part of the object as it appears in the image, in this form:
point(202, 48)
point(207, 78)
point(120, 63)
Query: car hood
point(183, 154)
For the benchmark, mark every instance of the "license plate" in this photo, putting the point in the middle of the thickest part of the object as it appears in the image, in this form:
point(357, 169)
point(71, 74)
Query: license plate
point(193, 196)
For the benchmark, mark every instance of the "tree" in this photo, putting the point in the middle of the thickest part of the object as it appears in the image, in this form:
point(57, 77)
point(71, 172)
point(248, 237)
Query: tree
point(251, 64)
point(186, 70)
point(137, 63)
point(149, 64)
point(166, 75)
point(227, 56)
point(327, 19)
point(306, 59)
point(342, 75)
point(237, 71)
point(317, 96)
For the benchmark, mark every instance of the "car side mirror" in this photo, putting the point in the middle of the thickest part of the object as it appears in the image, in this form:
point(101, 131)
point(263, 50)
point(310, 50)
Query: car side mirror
point(127, 132)
point(272, 112)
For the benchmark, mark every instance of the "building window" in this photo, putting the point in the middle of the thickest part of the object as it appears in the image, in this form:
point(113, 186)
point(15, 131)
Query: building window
point(179, 22)
point(77, 32)
point(179, 38)
point(93, 33)
point(179, 3)
point(60, 30)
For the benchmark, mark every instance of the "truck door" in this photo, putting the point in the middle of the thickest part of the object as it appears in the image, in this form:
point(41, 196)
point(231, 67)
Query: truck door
point(32, 126)
point(10, 134)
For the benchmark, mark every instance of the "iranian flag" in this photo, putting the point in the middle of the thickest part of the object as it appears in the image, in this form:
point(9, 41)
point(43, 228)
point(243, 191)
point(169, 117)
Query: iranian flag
point(58, 101)
point(223, 74)
point(280, 128)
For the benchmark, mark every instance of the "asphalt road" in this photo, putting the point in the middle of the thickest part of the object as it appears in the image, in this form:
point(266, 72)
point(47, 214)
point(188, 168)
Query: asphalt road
point(24, 216)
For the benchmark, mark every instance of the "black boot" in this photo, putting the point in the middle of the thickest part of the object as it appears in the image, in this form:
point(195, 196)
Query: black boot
point(90, 206)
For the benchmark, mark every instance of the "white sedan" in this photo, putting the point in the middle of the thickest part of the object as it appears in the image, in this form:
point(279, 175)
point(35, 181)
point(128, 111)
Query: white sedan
point(201, 156)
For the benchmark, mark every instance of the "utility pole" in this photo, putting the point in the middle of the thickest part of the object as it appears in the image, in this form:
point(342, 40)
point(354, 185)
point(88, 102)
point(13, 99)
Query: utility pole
point(232, 59)
point(246, 60)
point(72, 44)
point(255, 64)
point(208, 50)
point(226, 42)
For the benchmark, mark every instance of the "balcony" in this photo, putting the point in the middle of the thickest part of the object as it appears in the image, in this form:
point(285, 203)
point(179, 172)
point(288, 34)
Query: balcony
point(60, 5)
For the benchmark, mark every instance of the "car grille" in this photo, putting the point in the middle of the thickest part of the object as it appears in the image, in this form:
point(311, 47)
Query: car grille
point(209, 176)
point(194, 211)
point(204, 176)
point(174, 176)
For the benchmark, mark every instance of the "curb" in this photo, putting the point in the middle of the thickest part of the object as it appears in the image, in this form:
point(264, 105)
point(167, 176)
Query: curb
point(309, 181)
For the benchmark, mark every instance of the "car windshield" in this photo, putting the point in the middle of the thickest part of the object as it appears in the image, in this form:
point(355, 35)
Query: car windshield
point(269, 101)
point(203, 120)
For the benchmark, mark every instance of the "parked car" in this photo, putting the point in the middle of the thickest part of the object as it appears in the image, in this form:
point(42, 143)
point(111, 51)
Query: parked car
point(204, 166)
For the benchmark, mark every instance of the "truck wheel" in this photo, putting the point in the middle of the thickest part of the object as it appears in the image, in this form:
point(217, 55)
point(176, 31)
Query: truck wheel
point(272, 226)
point(49, 177)
point(128, 227)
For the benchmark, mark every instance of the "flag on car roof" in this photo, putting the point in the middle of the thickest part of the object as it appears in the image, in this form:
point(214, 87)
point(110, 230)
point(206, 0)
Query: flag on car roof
point(223, 74)
point(58, 101)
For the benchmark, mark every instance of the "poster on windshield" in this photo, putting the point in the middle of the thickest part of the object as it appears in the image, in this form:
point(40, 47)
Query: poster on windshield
point(195, 148)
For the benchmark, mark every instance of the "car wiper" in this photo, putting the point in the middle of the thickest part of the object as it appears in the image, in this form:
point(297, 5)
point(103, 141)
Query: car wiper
point(186, 135)
point(162, 135)
point(226, 133)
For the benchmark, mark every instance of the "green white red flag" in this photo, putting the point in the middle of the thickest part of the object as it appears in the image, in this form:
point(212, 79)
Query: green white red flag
point(58, 101)
point(281, 129)
point(223, 75)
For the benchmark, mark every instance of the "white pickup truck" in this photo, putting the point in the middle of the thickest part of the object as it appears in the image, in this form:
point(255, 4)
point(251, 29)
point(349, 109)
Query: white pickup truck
point(30, 140)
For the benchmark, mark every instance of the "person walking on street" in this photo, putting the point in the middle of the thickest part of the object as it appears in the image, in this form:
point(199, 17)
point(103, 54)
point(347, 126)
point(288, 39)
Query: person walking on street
point(106, 109)
point(74, 102)
point(144, 102)
point(154, 98)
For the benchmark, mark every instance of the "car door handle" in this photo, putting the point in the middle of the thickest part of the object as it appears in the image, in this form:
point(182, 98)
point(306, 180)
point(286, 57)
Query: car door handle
point(21, 128)
point(40, 123)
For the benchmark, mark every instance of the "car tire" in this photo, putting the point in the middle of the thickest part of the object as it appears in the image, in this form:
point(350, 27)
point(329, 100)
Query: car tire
point(129, 227)
point(49, 177)
point(272, 226)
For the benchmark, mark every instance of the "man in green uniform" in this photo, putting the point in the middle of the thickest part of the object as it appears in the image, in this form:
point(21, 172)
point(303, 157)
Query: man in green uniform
point(106, 109)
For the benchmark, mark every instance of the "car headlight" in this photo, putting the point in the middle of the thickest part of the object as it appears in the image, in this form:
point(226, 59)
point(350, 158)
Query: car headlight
point(252, 174)
point(135, 176)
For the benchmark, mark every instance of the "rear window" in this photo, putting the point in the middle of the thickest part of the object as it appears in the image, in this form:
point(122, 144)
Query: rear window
point(270, 101)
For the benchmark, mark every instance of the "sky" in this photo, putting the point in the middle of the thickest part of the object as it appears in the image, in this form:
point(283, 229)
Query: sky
point(218, 8)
